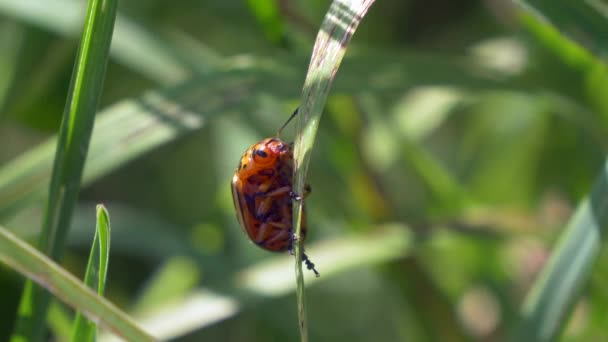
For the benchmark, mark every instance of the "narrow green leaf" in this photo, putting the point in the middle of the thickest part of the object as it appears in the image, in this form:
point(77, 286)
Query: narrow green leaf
point(337, 29)
point(587, 75)
point(95, 274)
point(72, 147)
point(584, 20)
point(36, 266)
point(559, 285)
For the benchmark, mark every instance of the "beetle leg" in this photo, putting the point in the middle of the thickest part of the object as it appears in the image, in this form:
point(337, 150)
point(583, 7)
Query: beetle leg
point(279, 191)
point(309, 264)
point(264, 186)
point(281, 235)
point(278, 225)
point(294, 195)
point(259, 238)
point(263, 207)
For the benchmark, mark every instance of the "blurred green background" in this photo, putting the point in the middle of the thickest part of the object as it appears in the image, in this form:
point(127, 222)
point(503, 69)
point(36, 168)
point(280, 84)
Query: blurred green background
point(466, 131)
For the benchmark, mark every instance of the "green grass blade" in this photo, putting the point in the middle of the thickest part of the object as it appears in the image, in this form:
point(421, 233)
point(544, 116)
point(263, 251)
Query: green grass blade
point(28, 261)
point(557, 288)
point(74, 136)
point(588, 17)
point(95, 274)
point(587, 75)
point(337, 29)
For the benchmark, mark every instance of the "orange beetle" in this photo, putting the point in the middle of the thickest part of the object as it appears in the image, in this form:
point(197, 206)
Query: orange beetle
point(262, 190)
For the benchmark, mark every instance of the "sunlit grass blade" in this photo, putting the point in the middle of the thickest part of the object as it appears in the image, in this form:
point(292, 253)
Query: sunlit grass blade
point(28, 261)
point(558, 287)
point(95, 274)
point(72, 147)
point(337, 29)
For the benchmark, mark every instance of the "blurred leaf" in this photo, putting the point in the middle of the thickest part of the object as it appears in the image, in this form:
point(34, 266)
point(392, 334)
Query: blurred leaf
point(268, 14)
point(60, 321)
point(504, 139)
point(172, 282)
point(585, 21)
point(550, 301)
point(11, 38)
point(95, 275)
point(566, 60)
point(133, 45)
point(274, 278)
point(28, 261)
point(76, 128)
point(123, 132)
point(133, 127)
point(384, 138)
point(160, 242)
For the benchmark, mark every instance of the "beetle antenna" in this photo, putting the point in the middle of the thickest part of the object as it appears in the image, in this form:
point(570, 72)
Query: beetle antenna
point(309, 264)
point(293, 115)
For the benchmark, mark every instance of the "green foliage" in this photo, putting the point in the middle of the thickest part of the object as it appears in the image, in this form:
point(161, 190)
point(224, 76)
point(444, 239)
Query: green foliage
point(447, 172)
point(95, 274)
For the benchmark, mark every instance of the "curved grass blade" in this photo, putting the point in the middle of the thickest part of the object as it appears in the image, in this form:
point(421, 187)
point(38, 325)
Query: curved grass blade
point(95, 276)
point(74, 136)
point(559, 285)
point(337, 29)
point(39, 268)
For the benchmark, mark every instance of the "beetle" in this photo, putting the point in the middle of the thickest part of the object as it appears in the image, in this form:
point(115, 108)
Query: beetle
point(262, 191)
